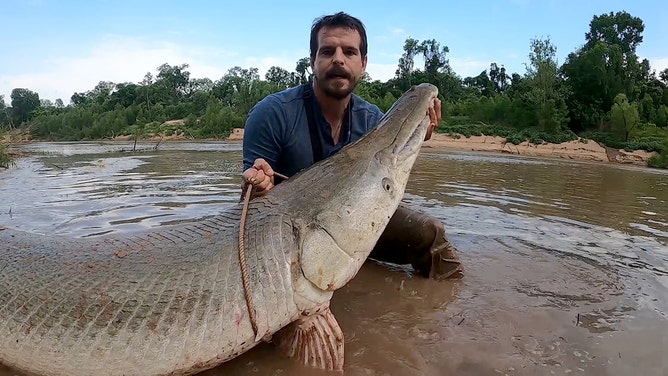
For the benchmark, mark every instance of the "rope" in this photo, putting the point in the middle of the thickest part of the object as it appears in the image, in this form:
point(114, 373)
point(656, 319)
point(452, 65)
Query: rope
point(246, 193)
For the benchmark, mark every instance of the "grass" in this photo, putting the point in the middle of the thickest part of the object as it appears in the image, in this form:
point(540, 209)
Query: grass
point(5, 159)
point(648, 137)
point(512, 135)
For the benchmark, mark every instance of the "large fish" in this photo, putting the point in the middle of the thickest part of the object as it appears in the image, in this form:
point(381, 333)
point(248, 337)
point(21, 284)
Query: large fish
point(171, 301)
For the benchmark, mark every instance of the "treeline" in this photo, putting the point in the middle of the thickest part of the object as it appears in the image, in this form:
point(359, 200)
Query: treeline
point(602, 91)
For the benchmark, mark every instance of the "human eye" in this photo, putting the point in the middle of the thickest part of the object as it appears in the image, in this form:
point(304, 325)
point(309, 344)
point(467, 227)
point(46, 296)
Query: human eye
point(326, 51)
point(352, 51)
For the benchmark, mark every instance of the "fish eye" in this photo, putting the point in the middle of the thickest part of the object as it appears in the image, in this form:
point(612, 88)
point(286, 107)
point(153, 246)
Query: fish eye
point(387, 184)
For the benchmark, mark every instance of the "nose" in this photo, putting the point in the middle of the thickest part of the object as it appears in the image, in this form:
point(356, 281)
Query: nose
point(338, 57)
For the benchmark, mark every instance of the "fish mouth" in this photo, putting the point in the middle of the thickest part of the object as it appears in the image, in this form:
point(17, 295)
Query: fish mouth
point(415, 124)
point(411, 146)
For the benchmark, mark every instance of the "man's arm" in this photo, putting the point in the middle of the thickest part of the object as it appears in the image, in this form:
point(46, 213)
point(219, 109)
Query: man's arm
point(262, 144)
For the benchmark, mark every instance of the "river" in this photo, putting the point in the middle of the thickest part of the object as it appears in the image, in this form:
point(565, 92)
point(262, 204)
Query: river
point(566, 263)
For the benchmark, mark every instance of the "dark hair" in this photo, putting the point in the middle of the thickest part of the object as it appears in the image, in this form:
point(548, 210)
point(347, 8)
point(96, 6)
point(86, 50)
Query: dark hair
point(340, 19)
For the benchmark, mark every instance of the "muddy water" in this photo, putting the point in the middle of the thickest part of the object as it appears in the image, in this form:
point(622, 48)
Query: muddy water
point(566, 263)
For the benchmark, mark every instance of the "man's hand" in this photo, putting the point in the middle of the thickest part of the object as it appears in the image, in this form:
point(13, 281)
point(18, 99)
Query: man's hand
point(260, 176)
point(434, 117)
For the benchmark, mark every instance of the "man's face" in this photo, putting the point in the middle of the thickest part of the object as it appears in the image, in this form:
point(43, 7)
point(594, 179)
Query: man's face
point(338, 63)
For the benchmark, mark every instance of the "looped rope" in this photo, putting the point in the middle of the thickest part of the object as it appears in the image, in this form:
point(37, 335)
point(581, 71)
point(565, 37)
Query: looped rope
point(246, 193)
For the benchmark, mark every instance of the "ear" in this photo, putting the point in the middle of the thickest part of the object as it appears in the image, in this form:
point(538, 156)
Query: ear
point(364, 60)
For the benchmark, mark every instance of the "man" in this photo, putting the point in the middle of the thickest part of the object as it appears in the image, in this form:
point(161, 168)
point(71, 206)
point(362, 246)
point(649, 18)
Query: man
point(290, 130)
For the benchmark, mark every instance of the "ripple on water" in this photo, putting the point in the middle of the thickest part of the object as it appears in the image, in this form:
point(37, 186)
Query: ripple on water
point(565, 263)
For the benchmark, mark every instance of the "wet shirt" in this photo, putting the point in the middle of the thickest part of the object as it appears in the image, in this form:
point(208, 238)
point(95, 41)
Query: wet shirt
point(277, 130)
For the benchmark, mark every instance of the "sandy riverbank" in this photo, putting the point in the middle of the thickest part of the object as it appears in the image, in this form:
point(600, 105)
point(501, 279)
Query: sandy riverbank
point(588, 150)
point(583, 149)
point(579, 150)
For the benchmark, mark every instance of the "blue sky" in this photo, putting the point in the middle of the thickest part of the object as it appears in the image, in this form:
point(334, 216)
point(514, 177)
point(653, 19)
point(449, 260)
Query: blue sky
point(57, 48)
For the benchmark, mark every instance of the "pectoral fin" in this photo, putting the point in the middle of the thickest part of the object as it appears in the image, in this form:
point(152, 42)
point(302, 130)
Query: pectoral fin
point(315, 340)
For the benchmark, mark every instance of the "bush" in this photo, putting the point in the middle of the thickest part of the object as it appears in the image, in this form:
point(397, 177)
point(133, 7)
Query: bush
point(5, 159)
point(661, 160)
point(512, 135)
point(643, 141)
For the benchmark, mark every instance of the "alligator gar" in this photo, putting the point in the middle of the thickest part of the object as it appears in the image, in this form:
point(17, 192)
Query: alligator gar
point(170, 301)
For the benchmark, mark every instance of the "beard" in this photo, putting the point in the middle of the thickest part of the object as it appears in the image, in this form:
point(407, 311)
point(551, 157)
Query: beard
point(331, 85)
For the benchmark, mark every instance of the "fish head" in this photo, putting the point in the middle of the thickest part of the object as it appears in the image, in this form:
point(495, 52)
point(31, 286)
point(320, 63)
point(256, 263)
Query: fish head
point(346, 201)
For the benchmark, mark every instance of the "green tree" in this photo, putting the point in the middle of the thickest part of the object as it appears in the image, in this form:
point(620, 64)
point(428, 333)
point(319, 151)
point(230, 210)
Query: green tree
point(280, 77)
point(144, 92)
point(498, 77)
point(4, 114)
point(661, 118)
point(624, 117)
point(199, 85)
point(125, 94)
point(480, 85)
point(172, 82)
point(663, 76)
point(240, 88)
point(407, 60)
point(24, 101)
point(303, 69)
point(619, 29)
point(604, 67)
point(545, 97)
point(435, 59)
point(80, 99)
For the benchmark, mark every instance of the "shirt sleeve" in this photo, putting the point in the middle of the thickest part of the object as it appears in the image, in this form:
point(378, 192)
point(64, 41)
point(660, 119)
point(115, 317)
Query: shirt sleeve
point(262, 132)
point(375, 115)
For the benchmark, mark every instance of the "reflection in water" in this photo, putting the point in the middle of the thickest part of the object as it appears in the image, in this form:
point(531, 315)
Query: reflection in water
point(625, 199)
point(566, 263)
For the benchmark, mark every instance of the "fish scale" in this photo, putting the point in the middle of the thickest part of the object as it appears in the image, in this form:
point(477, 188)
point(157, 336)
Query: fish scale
point(86, 314)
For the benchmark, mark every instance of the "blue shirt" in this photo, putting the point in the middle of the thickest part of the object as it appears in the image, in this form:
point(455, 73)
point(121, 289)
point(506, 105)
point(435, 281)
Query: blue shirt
point(277, 130)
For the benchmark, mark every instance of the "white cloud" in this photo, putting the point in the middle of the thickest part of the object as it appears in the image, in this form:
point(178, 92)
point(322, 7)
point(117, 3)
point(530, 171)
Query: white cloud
point(286, 61)
point(127, 59)
point(398, 32)
point(117, 59)
point(382, 72)
point(464, 67)
point(658, 64)
point(467, 67)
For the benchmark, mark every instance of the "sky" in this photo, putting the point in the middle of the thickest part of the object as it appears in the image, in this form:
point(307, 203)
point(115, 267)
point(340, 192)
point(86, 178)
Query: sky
point(57, 48)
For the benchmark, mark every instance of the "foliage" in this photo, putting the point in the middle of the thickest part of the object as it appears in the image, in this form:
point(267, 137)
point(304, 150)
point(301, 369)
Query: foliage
point(619, 28)
point(5, 159)
point(24, 101)
point(624, 117)
point(512, 135)
point(660, 161)
point(544, 95)
point(604, 67)
point(603, 89)
point(647, 142)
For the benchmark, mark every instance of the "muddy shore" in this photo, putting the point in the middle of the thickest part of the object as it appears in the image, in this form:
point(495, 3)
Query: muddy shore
point(583, 149)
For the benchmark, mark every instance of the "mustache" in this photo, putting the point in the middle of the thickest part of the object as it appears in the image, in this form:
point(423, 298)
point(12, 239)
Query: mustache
point(338, 72)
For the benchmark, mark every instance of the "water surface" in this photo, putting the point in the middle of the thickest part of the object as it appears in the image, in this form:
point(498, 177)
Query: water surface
point(566, 263)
